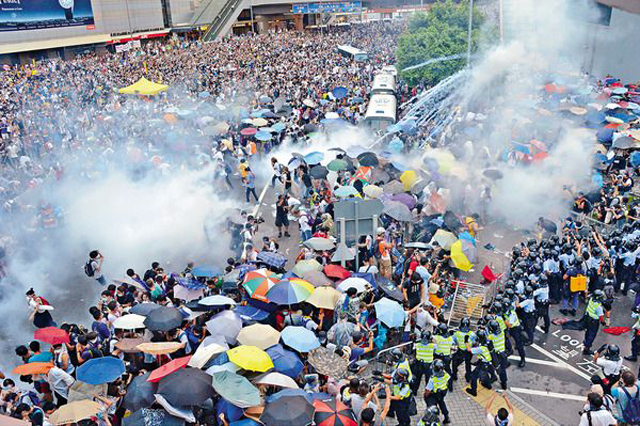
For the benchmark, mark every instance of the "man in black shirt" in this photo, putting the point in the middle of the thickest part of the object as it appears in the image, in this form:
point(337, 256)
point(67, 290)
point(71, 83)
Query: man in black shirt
point(412, 290)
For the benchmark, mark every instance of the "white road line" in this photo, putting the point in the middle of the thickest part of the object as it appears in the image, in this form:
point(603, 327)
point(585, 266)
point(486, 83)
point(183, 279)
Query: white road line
point(538, 361)
point(549, 394)
point(561, 361)
point(256, 209)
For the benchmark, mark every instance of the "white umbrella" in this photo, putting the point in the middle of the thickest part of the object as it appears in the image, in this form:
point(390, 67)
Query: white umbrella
point(276, 379)
point(183, 413)
point(129, 322)
point(319, 244)
point(260, 335)
point(217, 300)
point(204, 353)
point(183, 293)
point(360, 284)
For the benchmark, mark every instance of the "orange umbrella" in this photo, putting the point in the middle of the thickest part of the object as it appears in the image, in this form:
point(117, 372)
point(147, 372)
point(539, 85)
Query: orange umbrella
point(175, 365)
point(33, 368)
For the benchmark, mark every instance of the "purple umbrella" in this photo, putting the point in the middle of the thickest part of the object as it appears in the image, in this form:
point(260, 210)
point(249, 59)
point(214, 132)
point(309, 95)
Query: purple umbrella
point(406, 199)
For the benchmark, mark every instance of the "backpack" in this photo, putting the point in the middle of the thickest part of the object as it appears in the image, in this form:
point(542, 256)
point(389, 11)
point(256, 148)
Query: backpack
point(631, 412)
point(88, 269)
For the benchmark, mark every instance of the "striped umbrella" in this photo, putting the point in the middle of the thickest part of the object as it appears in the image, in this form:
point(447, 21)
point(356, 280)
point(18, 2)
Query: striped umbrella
point(257, 283)
point(288, 292)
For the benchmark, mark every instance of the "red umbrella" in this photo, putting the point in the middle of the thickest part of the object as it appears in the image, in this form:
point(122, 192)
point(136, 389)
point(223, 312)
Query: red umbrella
point(51, 335)
point(170, 367)
point(248, 131)
point(336, 271)
point(333, 413)
point(616, 331)
point(488, 274)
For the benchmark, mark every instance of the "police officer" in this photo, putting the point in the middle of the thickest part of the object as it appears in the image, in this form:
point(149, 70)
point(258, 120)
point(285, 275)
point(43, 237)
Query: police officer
point(482, 350)
point(551, 269)
point(424, 358)
point(444, 346)
point(499, 309)
point(460, 336)
point(635, 342)
point(594, 316)
point(608, 358)
point(541, 298)
point(431, 417)
point(497, 338)
point(515, 332)
point(437, 388)
point(528, 306)
point(400, 361)
point(401, 397)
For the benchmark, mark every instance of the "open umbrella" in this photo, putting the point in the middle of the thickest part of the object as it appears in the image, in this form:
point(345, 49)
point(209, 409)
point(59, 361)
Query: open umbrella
point(217, 300)
point(168, 368)
point(160, 348)
point(444, 239)
point(337, 165)
point(206, 271)
point(236, 389)
point(398, 211)
point(139, 393)
point(32, 368)
point(251, 314)
point(248, 131)
point(259, 335)
point(372, 191)
point(324, 298)
point(100, 370)
point(149, 417)
point(204, 353)
point(129, 322)
point(74, 412)
point(319, 244)
point(250, 358)
point(368, 159)
point(257, 283)
point(164, 318)
point(624, 142)
point(314, 157)
point(390, 289)
point(289, 292)
point(305, 266)
point(275, 260)
point(318, 172)
point(285, 362)
point(336, 271)
point(346, 192)
point(333, 413)
point(340, 92)
point(390, 312)
point(144, 309)
point(263, 136)
point(317, 278)
point(10, 421)
point(290, 392)
point(408, 178)
point(360, 284)
point(227, 324)
point(327, 362)
point(51, 335)
point(459, 259)
point(393, 187)
point(186, 387)
point(130, 345)
point(276, 379)
point(299, 338)
point(406, 199)
point(288, 411)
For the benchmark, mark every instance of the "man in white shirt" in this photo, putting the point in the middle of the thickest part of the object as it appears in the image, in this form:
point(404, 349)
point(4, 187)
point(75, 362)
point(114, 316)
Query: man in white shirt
point(503, 417)
point(596, 415)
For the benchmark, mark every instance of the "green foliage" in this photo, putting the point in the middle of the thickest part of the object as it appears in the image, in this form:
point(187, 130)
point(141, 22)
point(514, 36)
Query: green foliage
point(439, 33)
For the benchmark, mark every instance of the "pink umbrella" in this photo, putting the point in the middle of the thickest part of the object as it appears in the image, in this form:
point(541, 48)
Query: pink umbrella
point(248, 131)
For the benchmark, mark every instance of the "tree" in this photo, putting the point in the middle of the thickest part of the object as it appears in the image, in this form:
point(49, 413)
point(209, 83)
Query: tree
point(440, 33)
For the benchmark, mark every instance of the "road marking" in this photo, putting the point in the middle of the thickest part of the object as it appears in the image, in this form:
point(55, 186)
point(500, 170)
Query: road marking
point(256, 209)
point(538, 361)
point(549, 394)
point(560, 361)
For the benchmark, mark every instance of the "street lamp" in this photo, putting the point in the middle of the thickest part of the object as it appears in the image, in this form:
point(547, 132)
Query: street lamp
point(469, 32)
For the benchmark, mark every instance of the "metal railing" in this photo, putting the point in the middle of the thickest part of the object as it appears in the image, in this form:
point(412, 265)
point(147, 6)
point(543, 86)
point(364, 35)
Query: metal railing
point(379, 362)
point(468, 300)
point(221, 19)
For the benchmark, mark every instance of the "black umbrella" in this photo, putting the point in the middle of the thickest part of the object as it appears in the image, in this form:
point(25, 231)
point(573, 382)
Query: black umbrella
point(493, 174)
point(318, 172)
point(390, 289)
point(451, 221)
point(288, 411)
point(624, 142)
point(163, 318)
point(139, 393)
point(368, 159)
point(144, 309)
point(269, 114)
point(186, 387)
point(147, 417)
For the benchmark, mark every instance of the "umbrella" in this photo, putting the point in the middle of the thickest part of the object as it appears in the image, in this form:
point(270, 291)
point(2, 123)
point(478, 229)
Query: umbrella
point(10, 421)
point(314, 157)
point(336, 271)
point(390, 289)
point(305, 266)
point(250, 358)
point(275, 260)
point(149, 417)
point(289, 292)
point(346, 191)
point(340, 92)
point(73, 412)
point(406, 199)
point(80, 391)
point(290, 392)
point(227, 366)
point(257, 283)
point(168, 368)
point(408, 178)
point(459, 259)
point(217, 300)
point(333, 413)
point(360, 284)
point(616, 331)
point(130, 345)
point(398, 211)
point(259, 335)
point(288, 411)
point(368, 159)
point(264, 99)
point(300, 338)
point(324, 298)
point(186, 387)
point(259, 122)
point(624, 142)
point(319, 244)
point(417, 245)
point(317, 279)
point(444, 239)
point(310, 103)
point(278, 127)
point(32, 368)
point(276, 379)
point(390, 312)
point(343, 253)
point(204, 353)
point(100, 370)
point(469, 249)
point(236, 389)
point(393, 187)
point(185, 413)
point(248, 131)
point(263, 135)
point(318, 172)
point(251, 313)
point(144, 309)
point(129, 322)
point(206, 271)
point(372, 191)
point(164, 318)
point(227, 324)
point(285, 362)
point(337, 165)
point(328, 363)
point(51, 335)
point(160, 348)
point(494, 174)
point(139, 393)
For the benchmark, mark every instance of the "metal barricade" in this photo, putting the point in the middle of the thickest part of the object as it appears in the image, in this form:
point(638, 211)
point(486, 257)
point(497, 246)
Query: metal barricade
point(380, 361)
point(468, 300)
point(601, 227)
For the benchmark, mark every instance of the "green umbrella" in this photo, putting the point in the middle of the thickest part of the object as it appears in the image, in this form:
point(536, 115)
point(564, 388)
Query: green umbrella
point(236, 389)
point(337, 165)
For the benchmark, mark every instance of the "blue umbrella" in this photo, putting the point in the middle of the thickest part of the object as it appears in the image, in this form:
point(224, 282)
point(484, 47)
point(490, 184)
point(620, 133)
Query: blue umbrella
point(396, 145)
point(390, 312)
point(231, 412)
point(263, 136)
point(595, 117)
point(206, 271)
point(285, 362)
point(289, 392)
point(339, 92)
point(605, 135)
point(276, 260)
point(357, 100)
point(144, 309)
point(97, 371)
point(245, 422)
point(190, 284)
point(204, 94)
point(250, 313)
point(299, 338)
point(635, 159)
point(314, 157)
point(279, 127)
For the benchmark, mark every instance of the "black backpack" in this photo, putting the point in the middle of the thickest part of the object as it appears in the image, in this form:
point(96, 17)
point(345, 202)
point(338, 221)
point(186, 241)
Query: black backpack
point(88, 268)
point(631, 411)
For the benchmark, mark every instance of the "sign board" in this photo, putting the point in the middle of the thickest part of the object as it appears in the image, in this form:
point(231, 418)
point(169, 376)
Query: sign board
point(364, 212)
point(332, 7)
point(19, 15)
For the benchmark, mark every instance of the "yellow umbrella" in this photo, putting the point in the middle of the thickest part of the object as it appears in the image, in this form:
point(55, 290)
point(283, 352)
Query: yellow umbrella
point(408, 178)
point(74, 412)
point(324, 298)
point(143, 87)
point(250, 358)
point(159, 348)
point(261, 336)
point(459, 259)
point(259, 122)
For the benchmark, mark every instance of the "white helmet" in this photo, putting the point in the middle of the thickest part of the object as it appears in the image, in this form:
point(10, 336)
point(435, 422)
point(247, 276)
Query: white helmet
point(380, 230)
